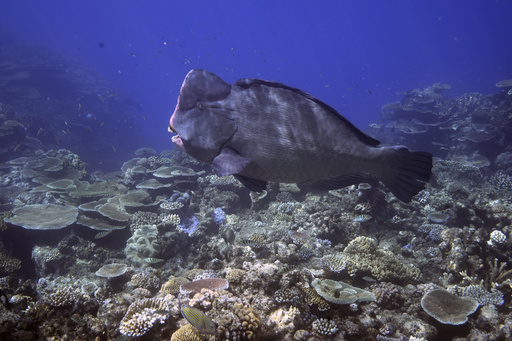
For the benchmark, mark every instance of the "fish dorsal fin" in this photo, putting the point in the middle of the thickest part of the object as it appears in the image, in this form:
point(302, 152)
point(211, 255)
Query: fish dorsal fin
point(246, 83)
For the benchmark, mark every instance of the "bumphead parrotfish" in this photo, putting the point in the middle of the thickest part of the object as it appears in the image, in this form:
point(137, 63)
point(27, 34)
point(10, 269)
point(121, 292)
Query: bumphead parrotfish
point(262, 131)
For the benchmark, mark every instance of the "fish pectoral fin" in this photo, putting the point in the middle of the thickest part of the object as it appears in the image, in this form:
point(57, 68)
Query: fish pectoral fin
point(229, 162)
point(254, 185)
point(340, 182)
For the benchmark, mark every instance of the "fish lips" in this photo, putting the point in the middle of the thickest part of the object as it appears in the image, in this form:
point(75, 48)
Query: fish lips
point(176, 139)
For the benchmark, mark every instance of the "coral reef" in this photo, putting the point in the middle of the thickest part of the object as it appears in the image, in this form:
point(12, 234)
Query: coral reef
point(283, 264)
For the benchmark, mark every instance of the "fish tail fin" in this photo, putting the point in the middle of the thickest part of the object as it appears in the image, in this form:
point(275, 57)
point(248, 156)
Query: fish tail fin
point(409, 172)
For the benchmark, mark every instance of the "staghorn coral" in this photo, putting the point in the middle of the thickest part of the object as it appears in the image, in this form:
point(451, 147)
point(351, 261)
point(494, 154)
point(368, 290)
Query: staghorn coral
point(142, 315)
point(497, 276)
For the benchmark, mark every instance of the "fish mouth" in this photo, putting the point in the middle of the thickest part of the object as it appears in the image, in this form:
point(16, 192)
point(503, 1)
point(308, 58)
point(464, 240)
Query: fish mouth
point(176, 139)
point(171, 129)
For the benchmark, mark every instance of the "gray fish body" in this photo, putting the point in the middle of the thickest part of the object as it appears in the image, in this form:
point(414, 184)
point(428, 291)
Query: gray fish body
point(263, 131)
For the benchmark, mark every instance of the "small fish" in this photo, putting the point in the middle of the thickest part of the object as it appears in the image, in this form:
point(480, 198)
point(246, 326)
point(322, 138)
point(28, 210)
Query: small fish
point(79, 106)
point(78, 319)
point(286, 268)
point(161, 312)
point(369, 279)
point(248, 242)
point(17, 147)
point(114, 94)
point(198, 319)
point(39, 131)
point(102, 234)
point(114, 148)
point(152, 260)
point(362, 218)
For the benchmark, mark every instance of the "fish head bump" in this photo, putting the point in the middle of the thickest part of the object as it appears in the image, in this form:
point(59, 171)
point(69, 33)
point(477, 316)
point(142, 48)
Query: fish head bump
point(203, 119)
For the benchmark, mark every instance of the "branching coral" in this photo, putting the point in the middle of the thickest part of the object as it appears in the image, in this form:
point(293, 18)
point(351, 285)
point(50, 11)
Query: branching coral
point(64, 297)
point(9, 264)
point(142, 315)
point(497, 277)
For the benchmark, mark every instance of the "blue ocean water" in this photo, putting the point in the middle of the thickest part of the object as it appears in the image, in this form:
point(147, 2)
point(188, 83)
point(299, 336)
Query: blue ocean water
point(354, 55)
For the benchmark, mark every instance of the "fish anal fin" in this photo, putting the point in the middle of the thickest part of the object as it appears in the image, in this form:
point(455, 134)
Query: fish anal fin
point(340, 182)
point(229, 162)
point(252, 184)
